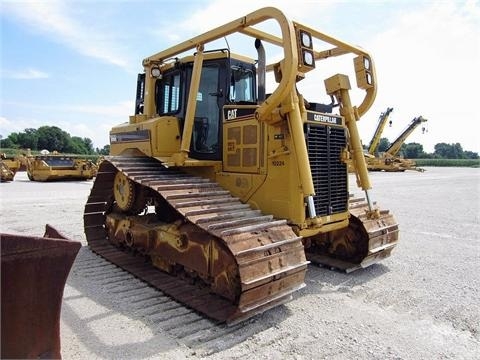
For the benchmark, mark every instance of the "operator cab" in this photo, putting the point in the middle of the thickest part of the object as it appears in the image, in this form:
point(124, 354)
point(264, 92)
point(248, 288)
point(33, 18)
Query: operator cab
point(225, 79)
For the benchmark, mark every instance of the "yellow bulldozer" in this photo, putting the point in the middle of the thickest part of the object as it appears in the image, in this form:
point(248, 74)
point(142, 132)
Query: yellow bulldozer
point(231, 191)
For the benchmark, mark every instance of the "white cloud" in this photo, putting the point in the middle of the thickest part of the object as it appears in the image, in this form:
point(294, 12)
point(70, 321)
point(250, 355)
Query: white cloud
point(72, 119)
point(9, 125)
point(208, 17)
point(427, 64)
point(4, 122)
point(119, 110)
point(99, 134)
point(25, 74)
point(219, 12)
point(53, 19)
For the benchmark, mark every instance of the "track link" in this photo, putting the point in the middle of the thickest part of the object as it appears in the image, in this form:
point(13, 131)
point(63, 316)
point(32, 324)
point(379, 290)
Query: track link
point(376, 238)
point(269, 256)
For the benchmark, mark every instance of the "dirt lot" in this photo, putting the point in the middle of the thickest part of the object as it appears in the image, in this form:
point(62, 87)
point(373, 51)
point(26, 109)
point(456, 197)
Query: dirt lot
point(423, 302)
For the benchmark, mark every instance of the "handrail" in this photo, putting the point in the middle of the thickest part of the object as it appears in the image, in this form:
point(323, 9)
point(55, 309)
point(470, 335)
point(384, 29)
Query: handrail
point(287, 41)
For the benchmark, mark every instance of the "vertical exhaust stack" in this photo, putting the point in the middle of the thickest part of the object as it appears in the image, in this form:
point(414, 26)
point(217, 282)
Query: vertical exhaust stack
point(261, 70)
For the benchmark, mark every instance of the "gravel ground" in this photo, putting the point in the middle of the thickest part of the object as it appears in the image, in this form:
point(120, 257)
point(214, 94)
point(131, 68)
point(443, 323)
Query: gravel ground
point(423, 302)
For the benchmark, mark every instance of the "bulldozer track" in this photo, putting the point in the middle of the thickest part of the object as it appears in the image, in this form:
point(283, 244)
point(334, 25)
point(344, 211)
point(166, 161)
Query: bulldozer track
point(269, 255)
point(161, 313)
point(380, 236)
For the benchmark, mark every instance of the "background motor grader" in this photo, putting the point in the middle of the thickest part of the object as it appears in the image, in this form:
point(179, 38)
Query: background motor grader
point(9, 166)
point(230, 191)
point(55, 166)
point(5, 173)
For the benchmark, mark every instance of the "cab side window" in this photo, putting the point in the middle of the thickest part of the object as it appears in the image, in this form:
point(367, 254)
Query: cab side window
point(241, 85)
point(167, 94)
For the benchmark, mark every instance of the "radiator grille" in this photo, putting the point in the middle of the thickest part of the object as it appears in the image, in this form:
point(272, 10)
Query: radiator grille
point(330, 177)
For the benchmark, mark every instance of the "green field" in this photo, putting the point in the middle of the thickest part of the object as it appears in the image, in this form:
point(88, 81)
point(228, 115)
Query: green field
point(420, 162)
point(448, 162)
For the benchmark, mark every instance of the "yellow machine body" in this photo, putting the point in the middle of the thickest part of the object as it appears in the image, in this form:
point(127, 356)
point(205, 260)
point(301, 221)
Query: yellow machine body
point(389, 160)
point(264, 160)
point(214, 179)
point(9, 166)
point(54, 167)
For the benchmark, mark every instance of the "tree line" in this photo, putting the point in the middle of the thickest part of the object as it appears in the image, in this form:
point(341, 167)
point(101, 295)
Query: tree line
point(52, 138)
point(441, 151)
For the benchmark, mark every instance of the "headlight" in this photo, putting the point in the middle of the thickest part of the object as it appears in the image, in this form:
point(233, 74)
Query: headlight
point(366, 63)
point(306, 39)
point(155, 72)
point(364, 72)
point(308, 58)
point(369, 78)
point(306, 55)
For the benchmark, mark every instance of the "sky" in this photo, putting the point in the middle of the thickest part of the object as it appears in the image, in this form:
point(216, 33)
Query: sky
point(73, 64)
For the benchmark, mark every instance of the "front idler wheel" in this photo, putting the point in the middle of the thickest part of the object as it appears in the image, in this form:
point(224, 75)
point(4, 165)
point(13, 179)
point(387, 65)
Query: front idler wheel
point(128, 194)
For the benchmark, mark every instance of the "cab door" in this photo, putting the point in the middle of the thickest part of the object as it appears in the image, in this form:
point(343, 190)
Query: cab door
point(206, 141)
point(243, 135)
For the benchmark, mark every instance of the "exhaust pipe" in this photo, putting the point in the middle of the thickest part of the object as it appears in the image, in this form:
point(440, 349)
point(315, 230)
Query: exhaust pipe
point(262, 66)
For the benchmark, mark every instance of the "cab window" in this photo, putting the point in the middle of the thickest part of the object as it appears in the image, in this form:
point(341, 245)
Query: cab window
point(168, 94)
point(241, 85)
